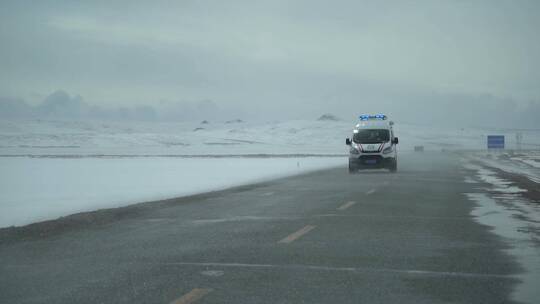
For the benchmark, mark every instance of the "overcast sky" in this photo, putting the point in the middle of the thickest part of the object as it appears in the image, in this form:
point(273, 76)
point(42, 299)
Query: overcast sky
point(295, 57)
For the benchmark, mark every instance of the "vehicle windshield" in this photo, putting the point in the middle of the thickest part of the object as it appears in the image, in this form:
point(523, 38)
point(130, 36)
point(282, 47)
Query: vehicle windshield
point(371, 136)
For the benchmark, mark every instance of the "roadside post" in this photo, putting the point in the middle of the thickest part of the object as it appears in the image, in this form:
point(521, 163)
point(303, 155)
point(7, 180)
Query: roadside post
point(519, 138)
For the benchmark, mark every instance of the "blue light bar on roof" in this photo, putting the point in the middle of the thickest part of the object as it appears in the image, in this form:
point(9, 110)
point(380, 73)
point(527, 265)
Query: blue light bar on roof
point(373, 117)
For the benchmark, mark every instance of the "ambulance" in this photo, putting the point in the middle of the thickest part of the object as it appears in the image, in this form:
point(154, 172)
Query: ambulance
point(373, 144)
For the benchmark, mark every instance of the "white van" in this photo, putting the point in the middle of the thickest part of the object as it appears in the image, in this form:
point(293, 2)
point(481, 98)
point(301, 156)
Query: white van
point(373, 144)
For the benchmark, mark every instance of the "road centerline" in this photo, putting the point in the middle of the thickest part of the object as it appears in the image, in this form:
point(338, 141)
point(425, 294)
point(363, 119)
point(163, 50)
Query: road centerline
point(346, 205)
point(296, 235)
point(193, 296)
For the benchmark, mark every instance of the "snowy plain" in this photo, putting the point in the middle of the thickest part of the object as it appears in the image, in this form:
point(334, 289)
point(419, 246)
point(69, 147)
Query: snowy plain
point(39, 137)
point(55, 168)
point(37, 189)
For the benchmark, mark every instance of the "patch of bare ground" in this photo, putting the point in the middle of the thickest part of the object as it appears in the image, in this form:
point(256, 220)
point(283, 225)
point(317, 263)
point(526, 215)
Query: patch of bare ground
point(533, 188)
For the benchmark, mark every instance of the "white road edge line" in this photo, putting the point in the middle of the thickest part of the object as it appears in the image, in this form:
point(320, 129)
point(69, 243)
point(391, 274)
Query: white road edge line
point(346, 269)
point(296, 235)
point(193, 296)
point(346, 205)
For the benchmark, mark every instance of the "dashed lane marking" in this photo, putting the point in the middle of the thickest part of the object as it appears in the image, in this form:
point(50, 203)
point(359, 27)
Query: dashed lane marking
point(268, 193)
point(346, 205)
point(316, 216)
point(296, 235)
point(371, 191)
point(212, 273)
point(193, 296)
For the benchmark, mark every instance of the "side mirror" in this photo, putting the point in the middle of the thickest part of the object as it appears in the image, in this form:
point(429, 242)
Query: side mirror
point(396, 141)
point(348, 142)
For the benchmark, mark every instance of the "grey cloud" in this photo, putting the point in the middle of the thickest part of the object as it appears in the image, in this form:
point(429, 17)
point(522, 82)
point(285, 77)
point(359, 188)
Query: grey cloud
point(282, 59)
point(14, 108)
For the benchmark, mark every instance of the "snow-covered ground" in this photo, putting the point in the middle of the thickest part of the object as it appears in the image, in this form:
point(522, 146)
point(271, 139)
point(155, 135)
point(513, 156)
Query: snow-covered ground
point(512, 217)
point(36, 189)
point(290, 137)
point(83, 138)
point(54, 168)
point(523, 163)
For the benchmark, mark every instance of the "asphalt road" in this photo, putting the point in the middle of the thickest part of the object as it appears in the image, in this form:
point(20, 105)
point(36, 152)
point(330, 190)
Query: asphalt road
point(324, 237)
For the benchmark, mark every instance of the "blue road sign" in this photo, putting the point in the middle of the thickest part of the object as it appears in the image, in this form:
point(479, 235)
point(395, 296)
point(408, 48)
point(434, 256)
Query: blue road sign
point(495, 141)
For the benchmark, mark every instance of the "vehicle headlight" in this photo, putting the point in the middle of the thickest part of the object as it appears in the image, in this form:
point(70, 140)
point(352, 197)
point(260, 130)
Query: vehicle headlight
point(354, 150)
point(387, 150)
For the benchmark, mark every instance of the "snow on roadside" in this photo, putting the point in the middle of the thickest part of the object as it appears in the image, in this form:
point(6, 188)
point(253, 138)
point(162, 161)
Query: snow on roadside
point(530, 162)
point(511, 166)
point(508, 224)
point(490, 177)
point(37, 189)
point(512, 217)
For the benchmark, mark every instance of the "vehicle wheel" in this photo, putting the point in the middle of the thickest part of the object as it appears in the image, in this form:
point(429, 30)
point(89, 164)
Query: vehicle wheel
point(393, 167)
point(352, 169)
